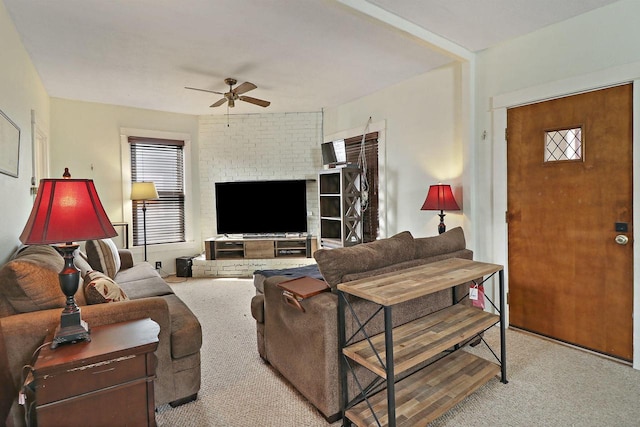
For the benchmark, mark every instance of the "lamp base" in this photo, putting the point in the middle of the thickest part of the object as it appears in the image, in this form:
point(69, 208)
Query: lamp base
point(72, 328)
point(76, 330)
point(441, 227)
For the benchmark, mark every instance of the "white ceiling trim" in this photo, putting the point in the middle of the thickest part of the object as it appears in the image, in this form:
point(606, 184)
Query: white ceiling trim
point(600, 79)
point(436, 42)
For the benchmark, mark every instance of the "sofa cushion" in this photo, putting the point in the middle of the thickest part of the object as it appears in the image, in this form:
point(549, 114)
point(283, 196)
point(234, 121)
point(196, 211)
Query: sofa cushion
point(99, 288)
point(103, 256)
point(142, 281)
point(464, 253)
point(30, 281)
point(336, 263)
point(186, 332)
point(447, 242)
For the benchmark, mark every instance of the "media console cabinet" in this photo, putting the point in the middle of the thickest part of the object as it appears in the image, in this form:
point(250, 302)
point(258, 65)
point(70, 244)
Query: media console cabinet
point(227, 248)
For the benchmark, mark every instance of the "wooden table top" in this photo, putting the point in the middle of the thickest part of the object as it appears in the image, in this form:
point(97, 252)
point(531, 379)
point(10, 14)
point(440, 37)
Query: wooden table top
point(403, 285)
point(130, 337)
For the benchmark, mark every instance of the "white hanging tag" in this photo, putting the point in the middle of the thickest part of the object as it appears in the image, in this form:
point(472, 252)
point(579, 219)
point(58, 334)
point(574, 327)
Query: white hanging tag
point(473, 293)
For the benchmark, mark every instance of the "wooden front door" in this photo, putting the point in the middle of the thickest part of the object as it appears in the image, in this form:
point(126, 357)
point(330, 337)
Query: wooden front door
point(569, 196)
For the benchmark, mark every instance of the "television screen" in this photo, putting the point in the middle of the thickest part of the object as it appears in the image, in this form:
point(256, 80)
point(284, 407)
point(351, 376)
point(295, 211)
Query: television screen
point(333, 152)
point(261, 207)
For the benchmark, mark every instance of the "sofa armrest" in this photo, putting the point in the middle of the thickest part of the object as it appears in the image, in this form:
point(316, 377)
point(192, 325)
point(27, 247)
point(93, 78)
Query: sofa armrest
point(312, 336)
point(257, 308)
point(126, 258)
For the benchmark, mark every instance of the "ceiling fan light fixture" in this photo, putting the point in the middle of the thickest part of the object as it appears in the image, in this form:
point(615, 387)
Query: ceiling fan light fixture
point(233, 94)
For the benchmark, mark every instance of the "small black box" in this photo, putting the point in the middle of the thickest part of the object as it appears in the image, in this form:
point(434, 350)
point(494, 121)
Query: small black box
point(183, 266)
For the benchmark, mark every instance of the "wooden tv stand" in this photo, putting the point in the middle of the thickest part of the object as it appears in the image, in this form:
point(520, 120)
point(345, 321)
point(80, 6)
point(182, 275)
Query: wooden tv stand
point(222, 247)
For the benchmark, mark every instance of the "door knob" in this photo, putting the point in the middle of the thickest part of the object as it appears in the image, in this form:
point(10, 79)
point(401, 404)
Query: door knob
point(621, 239)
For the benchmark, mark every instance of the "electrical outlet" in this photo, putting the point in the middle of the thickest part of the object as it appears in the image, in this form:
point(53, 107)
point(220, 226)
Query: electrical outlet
point(158, 265)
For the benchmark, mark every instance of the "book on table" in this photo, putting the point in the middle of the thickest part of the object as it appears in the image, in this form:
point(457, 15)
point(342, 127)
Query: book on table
point(296, 290)
point(304, 287)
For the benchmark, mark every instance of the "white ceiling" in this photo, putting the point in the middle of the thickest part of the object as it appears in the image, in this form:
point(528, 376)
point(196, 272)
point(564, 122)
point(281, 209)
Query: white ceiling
point(302, 54)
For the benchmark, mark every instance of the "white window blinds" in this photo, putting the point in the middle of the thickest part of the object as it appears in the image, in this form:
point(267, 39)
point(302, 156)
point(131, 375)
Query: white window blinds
point(160, 161)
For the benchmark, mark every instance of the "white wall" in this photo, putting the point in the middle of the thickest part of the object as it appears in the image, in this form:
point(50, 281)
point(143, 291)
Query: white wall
point(597, 49)
point(258, 147)
point(593, 50)
point(85, 137)
point(21, 91)
point(545, 62)
point(424, 144)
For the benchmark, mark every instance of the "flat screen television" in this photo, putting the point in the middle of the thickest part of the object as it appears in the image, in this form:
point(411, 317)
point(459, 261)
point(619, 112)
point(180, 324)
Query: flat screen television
point(333, 152)
point(261, 207)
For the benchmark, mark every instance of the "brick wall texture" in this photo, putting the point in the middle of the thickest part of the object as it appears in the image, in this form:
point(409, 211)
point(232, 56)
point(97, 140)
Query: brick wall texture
point(258, 147)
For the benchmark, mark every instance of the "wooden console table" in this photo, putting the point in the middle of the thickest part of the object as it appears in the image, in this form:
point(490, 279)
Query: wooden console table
point(401, 349)
point(105, 382)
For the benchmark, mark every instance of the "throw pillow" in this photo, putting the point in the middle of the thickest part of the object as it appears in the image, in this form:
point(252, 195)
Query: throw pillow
point(81, 262)
point(450, 241)
point(103, 256)
point(98, 289)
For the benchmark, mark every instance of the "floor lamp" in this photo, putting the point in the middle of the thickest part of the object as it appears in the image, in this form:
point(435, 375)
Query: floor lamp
point(144, 191)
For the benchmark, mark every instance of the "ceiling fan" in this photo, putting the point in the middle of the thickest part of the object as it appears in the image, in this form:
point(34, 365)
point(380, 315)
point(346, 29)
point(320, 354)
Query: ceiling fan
point(235, 94)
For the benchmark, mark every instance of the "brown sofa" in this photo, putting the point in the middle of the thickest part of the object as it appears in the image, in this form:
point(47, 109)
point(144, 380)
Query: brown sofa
point(31, 303)
point(303, 346)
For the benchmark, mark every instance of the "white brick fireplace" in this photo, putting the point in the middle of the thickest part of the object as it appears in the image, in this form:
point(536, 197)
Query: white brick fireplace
point(256, 147)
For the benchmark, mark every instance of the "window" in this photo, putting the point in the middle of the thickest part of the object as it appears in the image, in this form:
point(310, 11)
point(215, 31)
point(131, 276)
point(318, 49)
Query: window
point(370, 220)
point(160, 161)
point(563, 144)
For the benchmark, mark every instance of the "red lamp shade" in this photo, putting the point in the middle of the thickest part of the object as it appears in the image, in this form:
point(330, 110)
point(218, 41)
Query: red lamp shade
point(440, 198)
point(66, 210)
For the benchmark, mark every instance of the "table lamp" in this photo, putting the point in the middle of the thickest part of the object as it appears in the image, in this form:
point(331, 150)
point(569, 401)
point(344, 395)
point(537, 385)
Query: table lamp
point(65, 211)
point(144, 191)
point(440, 198)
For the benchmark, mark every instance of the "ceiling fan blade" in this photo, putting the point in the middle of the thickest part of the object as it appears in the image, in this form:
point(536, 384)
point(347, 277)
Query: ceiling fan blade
point(204, 90)
point(255, 101)
point(218, 103)
point(244, 87)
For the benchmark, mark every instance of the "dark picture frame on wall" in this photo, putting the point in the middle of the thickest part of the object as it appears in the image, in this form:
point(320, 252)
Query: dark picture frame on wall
point(9, 146)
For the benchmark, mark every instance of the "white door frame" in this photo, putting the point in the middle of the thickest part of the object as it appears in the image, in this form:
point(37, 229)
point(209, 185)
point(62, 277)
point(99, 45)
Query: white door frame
point(611, 77)
point(39, 152)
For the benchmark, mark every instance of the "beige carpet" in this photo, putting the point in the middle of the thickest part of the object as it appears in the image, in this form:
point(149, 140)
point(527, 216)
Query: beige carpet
point(549, 384)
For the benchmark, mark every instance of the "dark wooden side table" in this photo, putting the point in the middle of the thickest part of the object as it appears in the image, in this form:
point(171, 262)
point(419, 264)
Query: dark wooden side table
point(105, 382)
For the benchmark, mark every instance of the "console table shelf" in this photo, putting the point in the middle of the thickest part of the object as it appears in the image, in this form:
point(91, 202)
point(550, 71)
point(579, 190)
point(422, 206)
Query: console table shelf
point(429, 393)
point(424, 395)
point(420, 340)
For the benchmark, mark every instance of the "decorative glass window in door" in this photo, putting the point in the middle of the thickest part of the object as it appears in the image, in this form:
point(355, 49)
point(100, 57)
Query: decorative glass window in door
point(563, 145)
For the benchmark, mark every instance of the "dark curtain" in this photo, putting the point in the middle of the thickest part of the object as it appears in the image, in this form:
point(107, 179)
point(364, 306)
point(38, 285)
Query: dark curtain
point(352, 148)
